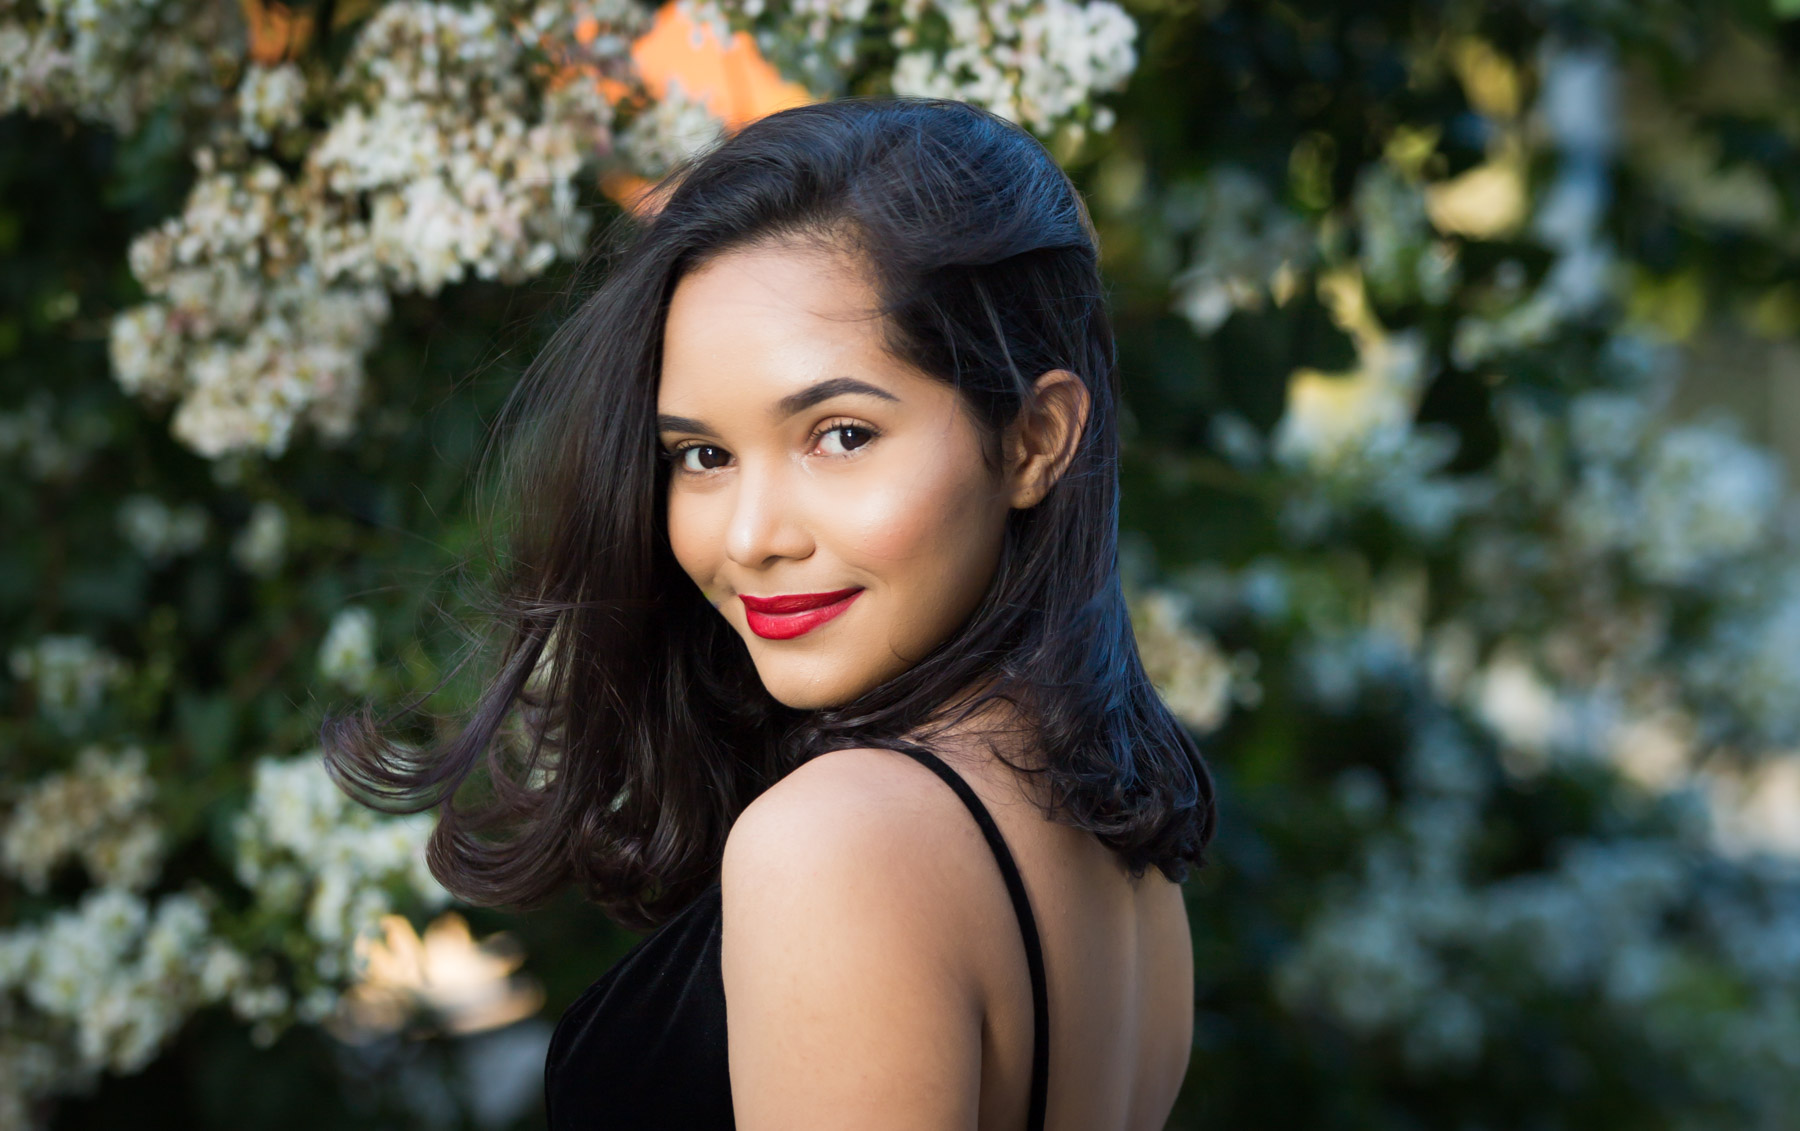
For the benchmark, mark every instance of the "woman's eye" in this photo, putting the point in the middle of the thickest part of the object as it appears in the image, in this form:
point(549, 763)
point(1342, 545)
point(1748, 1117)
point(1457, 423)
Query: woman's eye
point(702, 457)
point(844, 438)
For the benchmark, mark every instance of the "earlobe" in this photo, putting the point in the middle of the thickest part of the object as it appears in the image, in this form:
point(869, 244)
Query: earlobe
point(1044, 439)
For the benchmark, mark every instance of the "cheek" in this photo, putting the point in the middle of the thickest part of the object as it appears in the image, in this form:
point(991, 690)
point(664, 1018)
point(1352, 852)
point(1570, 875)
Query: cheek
point(691, 538)
point(931, 534)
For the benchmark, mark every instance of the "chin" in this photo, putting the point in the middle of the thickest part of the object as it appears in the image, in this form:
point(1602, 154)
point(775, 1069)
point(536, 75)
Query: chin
point(808, 691)
point(808, 697)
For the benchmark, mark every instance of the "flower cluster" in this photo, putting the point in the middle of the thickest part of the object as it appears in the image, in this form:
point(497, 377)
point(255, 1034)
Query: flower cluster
point(1037, 62)
point(448, 157)
point(246, 361)
point(105, 983)
point(101, 986)
point(673, 130)
point(69, 674)
point(98, 813)
point(1430, 950)
point(1245, 246)
point(307, 850)
point(1350, 439)
point(1667, 544)
point(270, 100)
point(113, 61)
point(1041, 63)
point(1196, 678)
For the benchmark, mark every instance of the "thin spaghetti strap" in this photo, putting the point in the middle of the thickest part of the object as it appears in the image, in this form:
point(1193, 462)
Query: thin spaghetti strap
point(1034, 951)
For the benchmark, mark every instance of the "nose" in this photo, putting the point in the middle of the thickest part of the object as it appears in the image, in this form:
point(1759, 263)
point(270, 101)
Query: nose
point(765, 524)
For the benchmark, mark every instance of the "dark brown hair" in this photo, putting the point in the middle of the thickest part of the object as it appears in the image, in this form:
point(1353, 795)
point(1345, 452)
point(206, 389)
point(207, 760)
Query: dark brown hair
point(644, 729)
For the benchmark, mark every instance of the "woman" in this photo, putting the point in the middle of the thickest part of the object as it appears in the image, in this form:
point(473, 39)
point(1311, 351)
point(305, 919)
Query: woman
point(816, 517)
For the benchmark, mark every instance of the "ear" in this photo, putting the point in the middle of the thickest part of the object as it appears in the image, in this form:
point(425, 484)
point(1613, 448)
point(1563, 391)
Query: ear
point(1042, 441)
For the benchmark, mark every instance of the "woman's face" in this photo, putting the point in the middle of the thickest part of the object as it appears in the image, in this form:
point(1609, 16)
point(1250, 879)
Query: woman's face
point(830, 500)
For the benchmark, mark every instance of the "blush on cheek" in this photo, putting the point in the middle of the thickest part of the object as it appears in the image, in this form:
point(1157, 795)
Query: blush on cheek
point(913, 519)
point(899, 525)
point(931, 538)
point(934, 508)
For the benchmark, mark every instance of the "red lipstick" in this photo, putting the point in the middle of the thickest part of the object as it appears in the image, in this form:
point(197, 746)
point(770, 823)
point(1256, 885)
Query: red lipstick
point(794, 614)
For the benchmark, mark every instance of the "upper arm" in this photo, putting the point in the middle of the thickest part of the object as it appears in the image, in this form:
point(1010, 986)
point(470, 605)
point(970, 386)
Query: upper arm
point(848, 1001)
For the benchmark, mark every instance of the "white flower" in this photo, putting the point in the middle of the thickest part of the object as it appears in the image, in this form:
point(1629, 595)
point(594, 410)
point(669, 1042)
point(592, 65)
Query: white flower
point(443, 158)
point(70, 675)
point(1400, 257)
point(347, 656)
point(113, 977)
point(670, 132)
point(303, 845)
point(1513, 699)
point(1751, 661)
point(1246, 246)
point(269, 100)
point(1707, 497)
point(112, 62)
point(96, 812)
point(158, 531)
point(1188, 668)
point(261, 545)
point(146, 352)
point(1040, 63)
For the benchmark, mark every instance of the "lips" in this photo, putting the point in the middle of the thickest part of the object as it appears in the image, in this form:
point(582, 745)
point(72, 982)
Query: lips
point(789, 615)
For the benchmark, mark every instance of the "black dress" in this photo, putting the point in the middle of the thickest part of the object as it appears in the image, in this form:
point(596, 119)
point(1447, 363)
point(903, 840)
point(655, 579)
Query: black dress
point(644, 1047)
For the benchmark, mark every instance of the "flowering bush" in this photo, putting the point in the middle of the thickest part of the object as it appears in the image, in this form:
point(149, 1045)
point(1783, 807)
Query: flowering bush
point(1440, 535)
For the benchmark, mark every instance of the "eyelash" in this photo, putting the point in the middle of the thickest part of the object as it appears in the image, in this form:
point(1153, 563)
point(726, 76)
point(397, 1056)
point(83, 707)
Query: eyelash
point(673, 455)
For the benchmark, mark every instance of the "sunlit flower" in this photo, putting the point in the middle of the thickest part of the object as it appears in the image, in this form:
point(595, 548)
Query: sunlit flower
point(462, 985)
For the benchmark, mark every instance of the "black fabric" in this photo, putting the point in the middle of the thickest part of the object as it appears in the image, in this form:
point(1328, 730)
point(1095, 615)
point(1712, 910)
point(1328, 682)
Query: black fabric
point(644, 1047)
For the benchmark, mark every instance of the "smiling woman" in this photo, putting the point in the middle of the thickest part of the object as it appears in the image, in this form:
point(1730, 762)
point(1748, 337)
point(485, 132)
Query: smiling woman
point(816, 497)
point(816, 515)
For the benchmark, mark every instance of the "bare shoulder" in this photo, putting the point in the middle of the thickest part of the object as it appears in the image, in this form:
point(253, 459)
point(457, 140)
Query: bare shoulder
point(859, 817)
point(850, 997)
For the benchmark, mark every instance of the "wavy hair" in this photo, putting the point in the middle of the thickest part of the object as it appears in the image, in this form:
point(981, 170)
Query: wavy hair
point(624, 727)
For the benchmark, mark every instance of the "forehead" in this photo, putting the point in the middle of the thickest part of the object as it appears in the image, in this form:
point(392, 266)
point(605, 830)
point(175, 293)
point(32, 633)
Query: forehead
point(782, 313)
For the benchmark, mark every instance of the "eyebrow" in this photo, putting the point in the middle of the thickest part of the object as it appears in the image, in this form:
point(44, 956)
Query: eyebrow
point(788, 405)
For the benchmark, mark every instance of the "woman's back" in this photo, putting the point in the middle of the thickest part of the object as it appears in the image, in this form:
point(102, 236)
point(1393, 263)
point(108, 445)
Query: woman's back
point(1116, 952)
point(1119, 961)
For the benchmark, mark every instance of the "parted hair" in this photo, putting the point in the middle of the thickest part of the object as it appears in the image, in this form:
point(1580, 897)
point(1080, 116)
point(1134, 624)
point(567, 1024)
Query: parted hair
point(622, 727)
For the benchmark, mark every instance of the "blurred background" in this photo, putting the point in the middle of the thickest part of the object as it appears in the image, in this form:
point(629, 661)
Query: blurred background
point(1461, 348)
